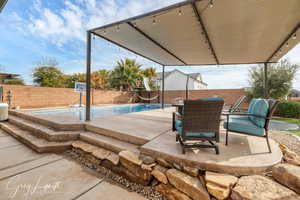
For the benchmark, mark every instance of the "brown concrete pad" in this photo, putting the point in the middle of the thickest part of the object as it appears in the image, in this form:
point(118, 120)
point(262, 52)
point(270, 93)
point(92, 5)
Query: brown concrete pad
point(107, 191)
point(60, 180)
point(12, 156)
point(28, 166)
point(140, 128)
point(8, 142)
point(244, 154)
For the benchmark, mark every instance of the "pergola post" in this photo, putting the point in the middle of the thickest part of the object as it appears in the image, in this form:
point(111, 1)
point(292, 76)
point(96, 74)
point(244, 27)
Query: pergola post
point(266, 95)
point(88, 77)
point(163, 89)
point(187, 87)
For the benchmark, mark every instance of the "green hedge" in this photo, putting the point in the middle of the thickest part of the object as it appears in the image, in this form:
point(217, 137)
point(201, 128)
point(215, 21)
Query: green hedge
point(289, 109)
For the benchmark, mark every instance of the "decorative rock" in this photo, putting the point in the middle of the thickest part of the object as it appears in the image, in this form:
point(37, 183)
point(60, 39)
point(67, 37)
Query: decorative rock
point(177, 166)
point(148, 160)
point(189, 185)
point(260, 188)
point(191, 171)
point(128, 157)
point(289, 156)
point(171, 193)
point(219, 185)
point(84, 146)
point(222, 180)
point(132, 162)
point(148, 167)
point(114, 158)
point(101, 153)
point(163, 163)
point(159, 174)
point(288, 175)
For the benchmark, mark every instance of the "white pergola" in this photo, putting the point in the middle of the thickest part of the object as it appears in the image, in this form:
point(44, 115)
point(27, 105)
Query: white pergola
point(206, 32)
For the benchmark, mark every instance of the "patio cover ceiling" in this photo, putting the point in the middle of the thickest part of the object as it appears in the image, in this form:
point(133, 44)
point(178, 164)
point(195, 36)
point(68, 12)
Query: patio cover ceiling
point(194, 33)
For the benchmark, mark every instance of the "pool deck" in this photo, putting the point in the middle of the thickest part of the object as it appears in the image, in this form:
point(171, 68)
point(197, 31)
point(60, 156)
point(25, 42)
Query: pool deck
point(32, 176)
point(151, 132)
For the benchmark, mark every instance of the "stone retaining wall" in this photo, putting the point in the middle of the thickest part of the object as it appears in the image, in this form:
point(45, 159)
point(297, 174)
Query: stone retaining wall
point(178, 182)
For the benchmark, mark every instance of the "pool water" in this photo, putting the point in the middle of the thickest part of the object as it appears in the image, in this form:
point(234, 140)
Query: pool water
point(100, 111)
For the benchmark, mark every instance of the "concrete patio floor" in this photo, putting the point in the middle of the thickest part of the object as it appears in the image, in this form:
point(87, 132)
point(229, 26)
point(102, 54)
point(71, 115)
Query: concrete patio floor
point(151, 130)
point(25, 174)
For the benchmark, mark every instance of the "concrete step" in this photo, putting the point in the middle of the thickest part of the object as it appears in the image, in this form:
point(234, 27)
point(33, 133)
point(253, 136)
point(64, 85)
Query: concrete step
point(38, 144)
point(42, 131)
point(108, 143)
point(115, 134)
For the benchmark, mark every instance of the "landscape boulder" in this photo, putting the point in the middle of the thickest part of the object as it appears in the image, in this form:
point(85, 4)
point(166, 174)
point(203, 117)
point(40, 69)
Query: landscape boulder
point(288, 175)
point(258, 187)
point(171, 193)
point(189, 185)
point(159, 173)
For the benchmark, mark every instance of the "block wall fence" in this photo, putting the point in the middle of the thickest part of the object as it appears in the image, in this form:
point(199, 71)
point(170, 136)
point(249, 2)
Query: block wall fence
point(39, 97)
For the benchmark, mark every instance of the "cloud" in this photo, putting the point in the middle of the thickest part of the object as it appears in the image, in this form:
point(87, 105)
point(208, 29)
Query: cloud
point(70, 22)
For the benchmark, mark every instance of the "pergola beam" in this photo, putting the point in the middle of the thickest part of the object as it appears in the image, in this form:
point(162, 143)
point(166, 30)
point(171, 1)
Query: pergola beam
point(155, 42)
point(205, 32)
point(284, 41)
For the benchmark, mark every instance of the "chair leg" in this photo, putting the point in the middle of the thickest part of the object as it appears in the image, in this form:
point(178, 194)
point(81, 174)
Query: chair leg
point(226, 143)
point(268, 143)
point(217, 150)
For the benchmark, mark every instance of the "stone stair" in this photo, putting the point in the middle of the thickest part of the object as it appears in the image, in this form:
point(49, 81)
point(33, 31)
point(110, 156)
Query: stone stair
point(108, 143)
point(38, 144)
point(44, 138)
point(43, 131)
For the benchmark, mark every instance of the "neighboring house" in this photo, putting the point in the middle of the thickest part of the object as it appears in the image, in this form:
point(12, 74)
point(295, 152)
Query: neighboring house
point(5, 77)
point(294, 93)
point(2, 4)
point(176, 80)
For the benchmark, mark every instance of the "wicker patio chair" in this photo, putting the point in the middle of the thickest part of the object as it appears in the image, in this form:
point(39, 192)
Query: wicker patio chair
point(255, 122)
point(199, 123)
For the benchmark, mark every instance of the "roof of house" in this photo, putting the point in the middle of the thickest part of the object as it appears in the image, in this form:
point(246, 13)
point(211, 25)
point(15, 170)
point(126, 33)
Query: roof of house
point(8, 75)
point(191, 75)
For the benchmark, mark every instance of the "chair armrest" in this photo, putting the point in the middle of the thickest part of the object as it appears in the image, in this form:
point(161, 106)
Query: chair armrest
point(244, 114)
point(174, 116)
point(177, 114)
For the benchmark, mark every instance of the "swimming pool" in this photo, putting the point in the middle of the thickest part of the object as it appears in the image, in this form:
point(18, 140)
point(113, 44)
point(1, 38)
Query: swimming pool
point(100, 111)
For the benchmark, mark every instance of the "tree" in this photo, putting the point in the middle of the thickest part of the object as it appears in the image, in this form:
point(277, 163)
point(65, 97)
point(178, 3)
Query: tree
point(48, 76)
point(100, 79)
point(126, 75)
point(71, 79)
point(15, 82)
point(280, 78)
point(150, 73)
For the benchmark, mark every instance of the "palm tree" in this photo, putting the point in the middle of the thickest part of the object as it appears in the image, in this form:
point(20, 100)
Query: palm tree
point(126, 75)
point(100, 79)
point(149, 72)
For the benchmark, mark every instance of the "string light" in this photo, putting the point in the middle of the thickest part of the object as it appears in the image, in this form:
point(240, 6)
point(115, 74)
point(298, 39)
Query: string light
point(118, 28)
point(287, 44)
point(154, 21)
point(104, 32)
point(211, 4)
point(134, 24)
point(280, 51)
point(179, 12)
point(295, 37)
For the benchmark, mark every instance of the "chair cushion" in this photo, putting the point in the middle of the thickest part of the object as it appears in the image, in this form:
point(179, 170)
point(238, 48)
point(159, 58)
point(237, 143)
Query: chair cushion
point(178, 126)
point(261, 108)
point(250, 107)
point(243, 125)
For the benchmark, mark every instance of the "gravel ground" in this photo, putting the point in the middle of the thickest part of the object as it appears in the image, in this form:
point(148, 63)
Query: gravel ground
point(146, 191)
point(282, 137)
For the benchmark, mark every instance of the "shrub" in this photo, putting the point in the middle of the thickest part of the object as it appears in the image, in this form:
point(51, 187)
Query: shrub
point(289, 109)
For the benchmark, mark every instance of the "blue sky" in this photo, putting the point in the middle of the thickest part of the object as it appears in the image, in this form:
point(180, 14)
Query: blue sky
point(33, 29)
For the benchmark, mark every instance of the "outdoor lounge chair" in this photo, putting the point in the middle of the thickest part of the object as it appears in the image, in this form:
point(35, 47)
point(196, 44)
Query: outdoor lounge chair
point(255, 122)
point(199, 122)
point(236, 106)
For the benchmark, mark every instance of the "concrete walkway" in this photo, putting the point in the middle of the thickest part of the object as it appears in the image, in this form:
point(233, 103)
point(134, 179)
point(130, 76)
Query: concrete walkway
point(25, 174)
point(282, 126)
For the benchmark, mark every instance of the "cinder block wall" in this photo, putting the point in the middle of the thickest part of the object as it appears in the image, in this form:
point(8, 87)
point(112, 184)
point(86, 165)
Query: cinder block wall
point(39, 97)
